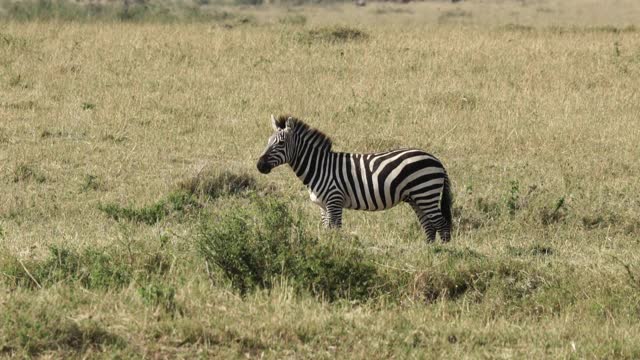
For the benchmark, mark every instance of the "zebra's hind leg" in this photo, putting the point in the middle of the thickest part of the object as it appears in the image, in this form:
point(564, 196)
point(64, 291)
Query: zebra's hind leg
point(443, 227)
point(425, 223)
point(334, 216)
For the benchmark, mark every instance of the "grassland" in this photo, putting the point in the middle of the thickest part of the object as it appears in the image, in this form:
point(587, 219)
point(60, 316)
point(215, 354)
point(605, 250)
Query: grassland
point(127, 149)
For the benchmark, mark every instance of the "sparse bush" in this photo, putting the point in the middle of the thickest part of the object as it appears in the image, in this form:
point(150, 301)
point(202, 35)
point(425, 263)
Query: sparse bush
point(178, 202)
point(554, 215)
point(248, 2)
point(517, 28)
point(149, 215)
point(474, 276)
point(535, 250)
point(333, 34)
point(255, 250)
point(133, 11)
point(392, 10)
point(31, 328)
point(26, 172)
point(91, 182)
point(159, 295)
point(454, 101)
point(296, 19)
point(92, 269)
point(454, 15)
point(513, 200)
point(88, 106)
point(212, 184)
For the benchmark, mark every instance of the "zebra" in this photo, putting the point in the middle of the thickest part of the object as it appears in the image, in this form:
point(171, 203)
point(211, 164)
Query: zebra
point(378, 181)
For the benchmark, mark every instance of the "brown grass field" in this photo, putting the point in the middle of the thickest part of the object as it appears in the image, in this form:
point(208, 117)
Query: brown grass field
point(533, 106)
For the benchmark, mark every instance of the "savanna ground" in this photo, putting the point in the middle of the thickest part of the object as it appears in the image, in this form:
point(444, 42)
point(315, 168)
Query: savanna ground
point(133, 221)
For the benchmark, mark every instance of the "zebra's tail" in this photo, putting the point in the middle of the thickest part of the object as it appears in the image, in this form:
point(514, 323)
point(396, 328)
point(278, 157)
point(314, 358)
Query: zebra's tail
point(446, 202)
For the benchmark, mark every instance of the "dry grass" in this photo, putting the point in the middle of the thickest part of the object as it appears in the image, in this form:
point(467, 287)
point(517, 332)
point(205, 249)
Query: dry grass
point(533, 108)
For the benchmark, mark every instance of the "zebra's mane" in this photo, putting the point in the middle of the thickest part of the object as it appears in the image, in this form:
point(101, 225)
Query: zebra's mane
point(300, 127)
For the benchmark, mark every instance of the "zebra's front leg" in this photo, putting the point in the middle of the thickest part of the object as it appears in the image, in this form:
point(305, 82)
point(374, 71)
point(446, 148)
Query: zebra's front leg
point(325, 217)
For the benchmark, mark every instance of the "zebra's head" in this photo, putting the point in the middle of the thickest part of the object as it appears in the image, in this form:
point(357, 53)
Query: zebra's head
point(278, 147)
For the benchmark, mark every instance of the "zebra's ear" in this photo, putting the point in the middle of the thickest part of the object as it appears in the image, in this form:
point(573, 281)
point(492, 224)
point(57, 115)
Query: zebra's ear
point(290, 123)
point(274, 123)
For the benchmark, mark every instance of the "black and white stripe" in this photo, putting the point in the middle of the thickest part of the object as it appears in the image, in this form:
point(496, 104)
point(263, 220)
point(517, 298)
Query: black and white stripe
point(361, 181)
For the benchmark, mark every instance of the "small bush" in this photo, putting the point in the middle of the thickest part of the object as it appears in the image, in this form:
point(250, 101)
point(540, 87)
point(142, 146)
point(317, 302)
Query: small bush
point(256, 249)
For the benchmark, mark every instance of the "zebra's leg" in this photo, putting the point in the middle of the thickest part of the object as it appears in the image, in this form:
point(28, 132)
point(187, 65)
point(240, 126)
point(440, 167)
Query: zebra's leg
point(441, 224)
point(424, 220)
point(334, 215)
point(434, 214)
point(325, 217)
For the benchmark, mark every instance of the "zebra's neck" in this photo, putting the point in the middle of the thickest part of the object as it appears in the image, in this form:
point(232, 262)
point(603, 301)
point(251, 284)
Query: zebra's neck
point(312, 164)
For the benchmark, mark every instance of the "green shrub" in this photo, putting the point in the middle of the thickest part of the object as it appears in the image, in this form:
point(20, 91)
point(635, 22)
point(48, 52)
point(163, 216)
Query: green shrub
point(255, 247)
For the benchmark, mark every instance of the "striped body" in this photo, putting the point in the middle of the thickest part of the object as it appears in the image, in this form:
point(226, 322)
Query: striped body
point(372, 182)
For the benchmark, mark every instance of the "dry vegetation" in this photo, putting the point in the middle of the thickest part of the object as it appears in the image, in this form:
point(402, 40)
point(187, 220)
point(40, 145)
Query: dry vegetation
point(133, 221)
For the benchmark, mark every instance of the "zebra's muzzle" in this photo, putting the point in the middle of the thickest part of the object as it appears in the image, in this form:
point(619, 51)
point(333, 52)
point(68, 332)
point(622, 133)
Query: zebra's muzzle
point(263, 167)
